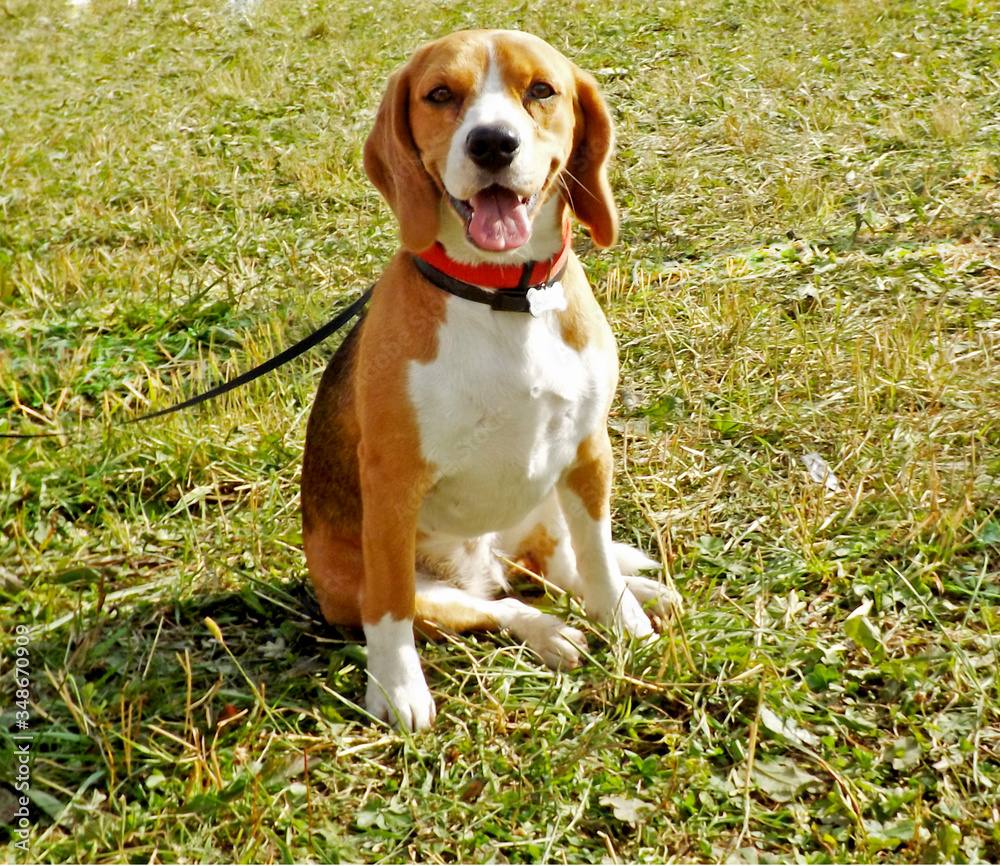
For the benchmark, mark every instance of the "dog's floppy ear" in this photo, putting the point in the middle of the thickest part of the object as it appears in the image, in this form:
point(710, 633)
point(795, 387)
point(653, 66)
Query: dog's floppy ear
point(587, 186)
point(393, 164)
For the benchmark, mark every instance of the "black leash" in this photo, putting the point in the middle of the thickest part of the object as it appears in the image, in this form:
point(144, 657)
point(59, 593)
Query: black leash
point(299, 348)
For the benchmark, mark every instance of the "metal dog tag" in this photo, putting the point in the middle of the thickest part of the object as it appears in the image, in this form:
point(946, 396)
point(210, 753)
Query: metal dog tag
point(546, 299)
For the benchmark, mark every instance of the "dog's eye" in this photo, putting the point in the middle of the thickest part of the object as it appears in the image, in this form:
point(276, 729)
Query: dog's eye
point(541, 90)
point(440, 95)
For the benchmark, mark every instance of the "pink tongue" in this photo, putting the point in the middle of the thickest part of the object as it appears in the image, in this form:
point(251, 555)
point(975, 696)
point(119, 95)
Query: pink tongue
point(499, 220)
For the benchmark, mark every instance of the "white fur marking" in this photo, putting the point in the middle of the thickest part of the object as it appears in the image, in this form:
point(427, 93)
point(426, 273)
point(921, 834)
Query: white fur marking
point(495, 104)
point(501, 412)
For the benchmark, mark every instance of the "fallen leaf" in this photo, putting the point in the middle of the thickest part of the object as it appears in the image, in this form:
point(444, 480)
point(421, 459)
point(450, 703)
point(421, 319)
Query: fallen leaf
point(820, 472)
point(625, 809)
point(783, 780)
point(787, 728)
point(865, 634)
point(906, 753)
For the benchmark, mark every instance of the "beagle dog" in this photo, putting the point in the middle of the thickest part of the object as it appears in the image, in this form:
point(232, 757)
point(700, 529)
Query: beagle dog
point(464, 417)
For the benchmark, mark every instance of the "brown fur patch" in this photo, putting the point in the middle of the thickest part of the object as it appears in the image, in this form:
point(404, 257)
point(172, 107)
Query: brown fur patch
point(433, 617)
point(331, 494)
point(536, 549)
point(402, 328)
point(576, 322)
point(590, 479)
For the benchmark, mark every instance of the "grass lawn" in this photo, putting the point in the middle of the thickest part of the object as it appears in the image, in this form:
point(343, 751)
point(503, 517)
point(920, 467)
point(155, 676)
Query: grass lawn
point(809, 265)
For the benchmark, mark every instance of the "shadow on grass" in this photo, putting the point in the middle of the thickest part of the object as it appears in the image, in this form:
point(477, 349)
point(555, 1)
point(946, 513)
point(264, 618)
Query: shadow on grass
point(130, 693)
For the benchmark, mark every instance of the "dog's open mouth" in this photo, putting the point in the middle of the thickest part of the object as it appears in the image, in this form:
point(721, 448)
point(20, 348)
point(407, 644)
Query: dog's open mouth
point(496, 218)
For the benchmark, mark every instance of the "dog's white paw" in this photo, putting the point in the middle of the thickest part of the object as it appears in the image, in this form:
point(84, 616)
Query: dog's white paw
point(622, 613)
point(629, 617)
point(632, 561)
point(406, 706)
point(660, 600)
point(397, 691)
point(558, 644)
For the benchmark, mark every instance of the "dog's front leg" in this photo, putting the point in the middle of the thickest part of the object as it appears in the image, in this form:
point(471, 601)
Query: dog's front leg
point(585, 497)
point(392, 493)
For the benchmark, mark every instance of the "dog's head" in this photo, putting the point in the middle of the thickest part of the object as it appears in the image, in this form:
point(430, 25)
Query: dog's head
point(484, 127)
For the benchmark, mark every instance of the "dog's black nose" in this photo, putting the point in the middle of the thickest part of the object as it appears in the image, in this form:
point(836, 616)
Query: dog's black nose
point(493, 146)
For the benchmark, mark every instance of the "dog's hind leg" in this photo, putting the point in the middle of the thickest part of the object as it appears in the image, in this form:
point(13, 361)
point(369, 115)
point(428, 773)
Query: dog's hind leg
point(337, 572)
point(441, 606)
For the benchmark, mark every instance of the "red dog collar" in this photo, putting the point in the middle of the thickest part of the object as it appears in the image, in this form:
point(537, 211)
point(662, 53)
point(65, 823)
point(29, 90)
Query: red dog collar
point(501, 287)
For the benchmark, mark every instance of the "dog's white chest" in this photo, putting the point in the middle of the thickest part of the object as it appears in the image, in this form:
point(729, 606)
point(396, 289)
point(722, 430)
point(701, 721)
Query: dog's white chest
point(501, 411)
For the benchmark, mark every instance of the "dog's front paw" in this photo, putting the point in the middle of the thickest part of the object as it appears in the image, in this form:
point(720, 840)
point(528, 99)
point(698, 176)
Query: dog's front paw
point(662, 601)
point(623, 614)
point(406, 706)
point(397, 691)
point(629, 617)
